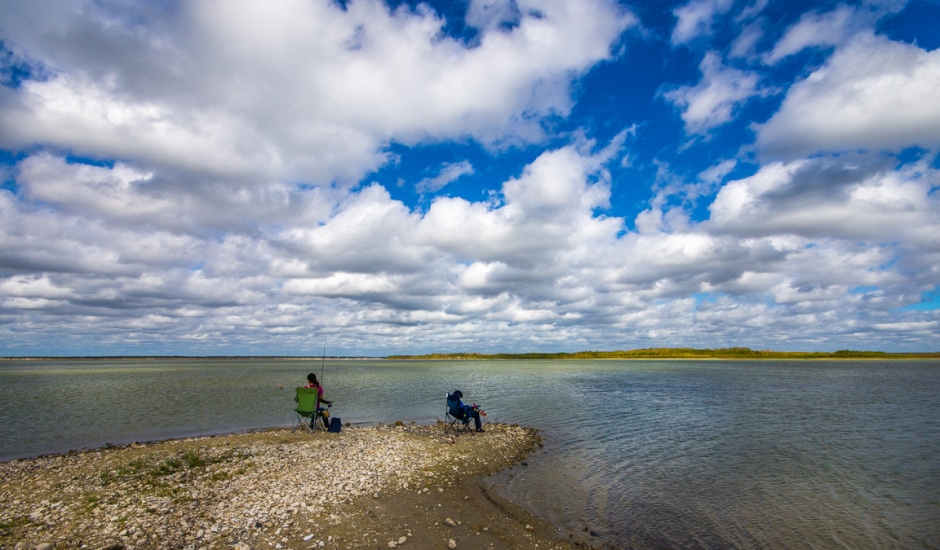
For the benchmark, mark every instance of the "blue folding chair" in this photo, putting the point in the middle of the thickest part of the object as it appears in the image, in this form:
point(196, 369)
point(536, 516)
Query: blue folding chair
point(453, 415)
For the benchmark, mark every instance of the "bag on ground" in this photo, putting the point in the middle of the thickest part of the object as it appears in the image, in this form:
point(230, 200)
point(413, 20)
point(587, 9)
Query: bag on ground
point(335, 425)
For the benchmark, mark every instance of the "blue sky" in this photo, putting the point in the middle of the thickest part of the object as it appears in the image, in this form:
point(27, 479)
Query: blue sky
point(215, 178)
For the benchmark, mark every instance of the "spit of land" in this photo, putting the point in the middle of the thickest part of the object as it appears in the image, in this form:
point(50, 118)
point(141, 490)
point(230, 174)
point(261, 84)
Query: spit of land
point(366, 487)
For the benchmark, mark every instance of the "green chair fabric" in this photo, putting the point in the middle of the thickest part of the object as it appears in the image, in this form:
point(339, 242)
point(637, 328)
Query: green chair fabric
point(307, 400)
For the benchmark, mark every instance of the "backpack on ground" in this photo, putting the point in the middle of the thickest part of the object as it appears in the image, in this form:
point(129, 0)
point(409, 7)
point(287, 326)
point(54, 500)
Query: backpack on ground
point(335, 425)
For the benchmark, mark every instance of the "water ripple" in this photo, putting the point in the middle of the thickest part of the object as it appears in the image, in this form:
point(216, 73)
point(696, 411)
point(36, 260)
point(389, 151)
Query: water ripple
point(669, 454)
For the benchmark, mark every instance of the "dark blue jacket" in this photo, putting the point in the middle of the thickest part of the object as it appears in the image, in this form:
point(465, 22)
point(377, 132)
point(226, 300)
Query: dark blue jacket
point(456, 406)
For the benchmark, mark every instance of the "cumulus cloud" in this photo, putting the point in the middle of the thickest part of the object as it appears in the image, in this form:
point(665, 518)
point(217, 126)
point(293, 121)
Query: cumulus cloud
point(860, 200)
point(545, 221)
point(298, 91)
point(873, 94)
point(189, 179)
point(537, 262)
point(712, 101)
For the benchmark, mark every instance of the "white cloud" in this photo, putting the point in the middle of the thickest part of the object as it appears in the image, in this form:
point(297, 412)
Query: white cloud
point(342, 284)
point(547, 212)
point(695, 19)
point(822, 198)
point(298, 91)
point(373, 264)
point(872, 94)
point(450, 172)
point(492, 14)
point(233, 219)
point(715, 174)
point(369, 233)
point(925, 328)
point(33, 287)
point(746, 42)
point(537, 265)
point(127, 196)
point(751, 11)
point(712, 101)
point(815, 29)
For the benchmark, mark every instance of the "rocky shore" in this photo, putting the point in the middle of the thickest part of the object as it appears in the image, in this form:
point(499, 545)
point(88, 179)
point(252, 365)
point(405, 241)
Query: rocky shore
point(374, 487)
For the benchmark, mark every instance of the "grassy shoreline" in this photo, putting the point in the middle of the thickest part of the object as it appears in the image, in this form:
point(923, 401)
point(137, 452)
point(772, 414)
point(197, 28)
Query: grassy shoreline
point(741, 353)
point(676, 353)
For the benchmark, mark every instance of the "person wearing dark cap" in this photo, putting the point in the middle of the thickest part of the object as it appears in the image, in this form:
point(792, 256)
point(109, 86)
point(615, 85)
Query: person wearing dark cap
point(465, 412)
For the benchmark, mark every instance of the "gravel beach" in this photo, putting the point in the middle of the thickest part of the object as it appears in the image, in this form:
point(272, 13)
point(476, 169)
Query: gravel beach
point(367, 487)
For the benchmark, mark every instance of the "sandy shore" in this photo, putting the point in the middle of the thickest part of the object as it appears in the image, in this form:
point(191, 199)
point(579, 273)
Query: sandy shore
point(376, 487)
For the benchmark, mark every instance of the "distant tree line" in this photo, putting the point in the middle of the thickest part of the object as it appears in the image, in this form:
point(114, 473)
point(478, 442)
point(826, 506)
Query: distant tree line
point(645, 353)
point(679, 353)
point(187, 358)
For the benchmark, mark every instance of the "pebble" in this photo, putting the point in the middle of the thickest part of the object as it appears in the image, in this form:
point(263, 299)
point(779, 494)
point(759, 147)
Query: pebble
point(452, 543)
point(249, 486)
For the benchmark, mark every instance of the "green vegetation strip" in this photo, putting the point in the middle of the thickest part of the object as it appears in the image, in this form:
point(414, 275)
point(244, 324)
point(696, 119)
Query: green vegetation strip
point(678, 353)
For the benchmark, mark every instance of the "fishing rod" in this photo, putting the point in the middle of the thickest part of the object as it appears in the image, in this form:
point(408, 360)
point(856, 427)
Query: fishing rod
point(322, 363)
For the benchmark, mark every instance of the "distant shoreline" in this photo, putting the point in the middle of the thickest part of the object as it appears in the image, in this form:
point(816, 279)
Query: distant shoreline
point(184, 358)
point(737, 353)
point(676, 353)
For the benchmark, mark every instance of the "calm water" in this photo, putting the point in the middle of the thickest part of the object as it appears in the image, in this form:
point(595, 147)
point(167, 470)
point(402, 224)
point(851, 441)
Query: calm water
point(667, 454)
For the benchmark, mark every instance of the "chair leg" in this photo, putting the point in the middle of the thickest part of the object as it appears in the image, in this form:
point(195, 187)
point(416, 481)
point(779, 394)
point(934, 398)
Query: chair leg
point(301, 423)
point(450, 425)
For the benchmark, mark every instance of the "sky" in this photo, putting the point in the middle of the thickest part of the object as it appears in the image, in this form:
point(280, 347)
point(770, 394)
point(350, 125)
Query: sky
point(369, 177)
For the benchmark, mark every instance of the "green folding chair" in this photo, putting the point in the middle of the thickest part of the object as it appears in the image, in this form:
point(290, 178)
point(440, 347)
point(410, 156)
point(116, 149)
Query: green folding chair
point(307, 417)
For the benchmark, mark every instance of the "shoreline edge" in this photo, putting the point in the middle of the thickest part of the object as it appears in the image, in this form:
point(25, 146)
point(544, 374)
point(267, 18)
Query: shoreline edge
point(366, 487)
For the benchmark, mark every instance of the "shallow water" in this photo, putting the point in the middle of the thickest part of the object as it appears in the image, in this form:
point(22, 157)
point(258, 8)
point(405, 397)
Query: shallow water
point(672, 454)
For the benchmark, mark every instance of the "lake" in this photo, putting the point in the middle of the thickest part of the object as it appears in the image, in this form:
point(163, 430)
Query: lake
point(656, 454)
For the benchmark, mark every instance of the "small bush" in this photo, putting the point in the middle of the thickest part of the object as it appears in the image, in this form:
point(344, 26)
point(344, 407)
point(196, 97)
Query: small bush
point(193, 459)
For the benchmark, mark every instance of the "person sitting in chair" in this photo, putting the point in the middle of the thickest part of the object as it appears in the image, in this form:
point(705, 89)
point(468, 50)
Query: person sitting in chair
point(313, 383)
point(464, 412)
